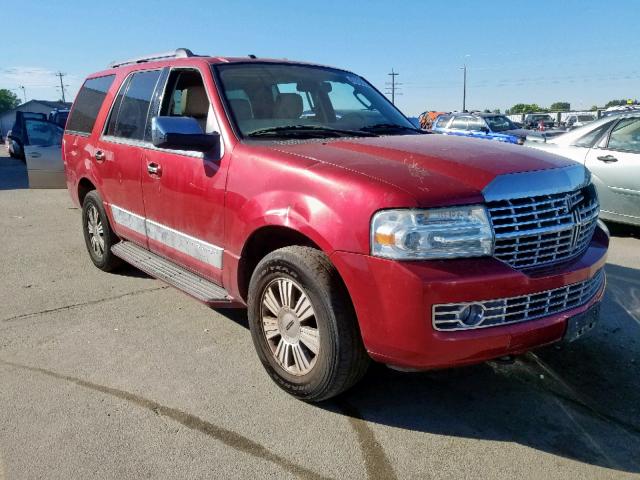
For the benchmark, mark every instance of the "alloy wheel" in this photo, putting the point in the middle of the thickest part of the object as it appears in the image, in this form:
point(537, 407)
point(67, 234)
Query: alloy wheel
point(289, 326)
point(96, 231)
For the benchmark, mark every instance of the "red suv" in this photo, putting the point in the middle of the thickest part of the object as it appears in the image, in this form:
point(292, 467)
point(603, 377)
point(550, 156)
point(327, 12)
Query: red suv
point(302, 193)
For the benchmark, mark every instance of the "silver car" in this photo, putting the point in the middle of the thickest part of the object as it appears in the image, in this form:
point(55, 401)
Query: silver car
point(610, 149)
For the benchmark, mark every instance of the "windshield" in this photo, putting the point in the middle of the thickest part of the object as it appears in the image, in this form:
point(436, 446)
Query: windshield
point(499, 123)
point(283, 100)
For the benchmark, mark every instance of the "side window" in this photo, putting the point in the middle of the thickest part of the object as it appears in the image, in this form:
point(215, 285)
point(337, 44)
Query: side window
point(442, 120)
point(186, 96)
point(88, 103)
point(459, 123)
point(590, 139)
point(626, 136)
point(42, 133)
point(476, 124)
point(130, 119)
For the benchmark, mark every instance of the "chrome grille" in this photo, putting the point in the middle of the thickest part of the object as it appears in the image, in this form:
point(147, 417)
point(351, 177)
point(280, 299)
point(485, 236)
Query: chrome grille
point(504, 311)
point(545, 229)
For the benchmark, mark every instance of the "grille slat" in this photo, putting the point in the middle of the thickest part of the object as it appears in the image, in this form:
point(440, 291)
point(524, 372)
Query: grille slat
point(519, 309)
point(545, 229)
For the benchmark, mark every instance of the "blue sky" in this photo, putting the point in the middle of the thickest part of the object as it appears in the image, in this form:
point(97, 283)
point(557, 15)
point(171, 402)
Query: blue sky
point(584, 52)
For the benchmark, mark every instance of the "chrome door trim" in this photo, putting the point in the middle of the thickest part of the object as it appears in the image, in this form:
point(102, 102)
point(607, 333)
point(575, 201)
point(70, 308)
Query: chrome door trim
point(180, 241)
point(184, 243)
point(129, 220)
point(535, 183)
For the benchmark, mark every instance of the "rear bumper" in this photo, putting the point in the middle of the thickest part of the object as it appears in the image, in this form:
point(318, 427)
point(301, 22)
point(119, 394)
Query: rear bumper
point(394, 300)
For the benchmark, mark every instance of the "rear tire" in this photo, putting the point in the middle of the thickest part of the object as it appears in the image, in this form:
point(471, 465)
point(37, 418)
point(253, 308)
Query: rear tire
point(98, 235)
point(303, 324)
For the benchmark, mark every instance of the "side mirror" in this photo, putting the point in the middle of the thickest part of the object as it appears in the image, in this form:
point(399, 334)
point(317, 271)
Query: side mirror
point(182, 133)
point(484, 129)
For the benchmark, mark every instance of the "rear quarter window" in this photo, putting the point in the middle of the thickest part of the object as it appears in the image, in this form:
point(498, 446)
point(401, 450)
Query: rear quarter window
point(88, 103)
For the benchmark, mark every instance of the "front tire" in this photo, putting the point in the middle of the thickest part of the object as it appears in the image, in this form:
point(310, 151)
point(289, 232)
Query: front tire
point(303, 324)
point(98, 235)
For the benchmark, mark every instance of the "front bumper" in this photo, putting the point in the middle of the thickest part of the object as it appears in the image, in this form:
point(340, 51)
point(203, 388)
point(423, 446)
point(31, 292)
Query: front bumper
point(394, 304)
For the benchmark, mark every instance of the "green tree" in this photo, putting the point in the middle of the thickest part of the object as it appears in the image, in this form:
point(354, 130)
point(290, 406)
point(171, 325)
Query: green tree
point(8, 100)
point(497, 110)
point(616, 103)
point(560, 107)
point(594, 108)
point(526, 108)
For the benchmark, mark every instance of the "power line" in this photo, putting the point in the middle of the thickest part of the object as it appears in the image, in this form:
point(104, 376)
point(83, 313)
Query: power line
point(392, 86)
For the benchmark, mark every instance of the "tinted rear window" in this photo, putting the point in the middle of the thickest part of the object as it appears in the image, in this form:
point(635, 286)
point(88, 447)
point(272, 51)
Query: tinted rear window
point(88, 103)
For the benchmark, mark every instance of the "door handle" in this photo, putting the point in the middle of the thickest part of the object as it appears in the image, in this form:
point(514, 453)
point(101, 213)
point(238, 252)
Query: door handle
point(99, 156)
point(35, 155)
point(607, 158)
point(154, 169)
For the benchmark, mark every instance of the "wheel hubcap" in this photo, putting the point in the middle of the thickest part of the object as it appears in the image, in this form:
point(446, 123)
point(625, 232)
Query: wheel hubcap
point(96, 231)
point(289, 326)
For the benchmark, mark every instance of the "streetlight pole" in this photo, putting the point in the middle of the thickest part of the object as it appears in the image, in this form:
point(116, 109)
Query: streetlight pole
point(24, 93)
point(464, 88)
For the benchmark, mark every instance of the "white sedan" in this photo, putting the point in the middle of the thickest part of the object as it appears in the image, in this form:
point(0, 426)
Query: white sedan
point(610, 149)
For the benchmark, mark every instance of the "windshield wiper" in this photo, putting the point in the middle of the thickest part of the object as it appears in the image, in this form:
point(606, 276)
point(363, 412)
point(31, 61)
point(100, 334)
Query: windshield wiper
point(389, 127)
point(309, 130)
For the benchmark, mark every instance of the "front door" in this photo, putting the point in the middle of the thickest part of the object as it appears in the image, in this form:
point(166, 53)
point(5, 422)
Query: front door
point(183, 191)
point(616, 169)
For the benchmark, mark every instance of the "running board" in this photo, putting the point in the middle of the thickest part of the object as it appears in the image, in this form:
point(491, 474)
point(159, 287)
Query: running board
point(176, 276)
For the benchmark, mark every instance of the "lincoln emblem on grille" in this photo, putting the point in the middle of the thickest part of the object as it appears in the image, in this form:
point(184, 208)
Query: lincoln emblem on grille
point(567, 204)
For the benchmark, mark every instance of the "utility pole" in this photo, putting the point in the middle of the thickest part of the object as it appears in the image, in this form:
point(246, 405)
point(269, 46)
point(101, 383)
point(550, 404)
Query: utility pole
point(464, 89)
point(60, 74)
point(392, 86)
point(24, 93)
point(464, 82)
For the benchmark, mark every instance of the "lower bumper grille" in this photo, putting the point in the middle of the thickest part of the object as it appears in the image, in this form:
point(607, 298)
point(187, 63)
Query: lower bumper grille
point(504, 311)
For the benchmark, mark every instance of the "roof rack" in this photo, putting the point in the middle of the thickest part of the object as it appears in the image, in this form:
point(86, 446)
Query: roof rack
point(177, 53)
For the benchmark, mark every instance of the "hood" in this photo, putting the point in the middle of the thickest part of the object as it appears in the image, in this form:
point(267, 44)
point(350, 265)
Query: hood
point(434, 169)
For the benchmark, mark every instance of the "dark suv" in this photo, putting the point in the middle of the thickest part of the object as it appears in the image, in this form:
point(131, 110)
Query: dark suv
point(534, 120)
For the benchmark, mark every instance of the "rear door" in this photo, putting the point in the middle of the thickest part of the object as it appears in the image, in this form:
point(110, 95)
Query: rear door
point(119, 154)
point(615, 164)
point(43, 154)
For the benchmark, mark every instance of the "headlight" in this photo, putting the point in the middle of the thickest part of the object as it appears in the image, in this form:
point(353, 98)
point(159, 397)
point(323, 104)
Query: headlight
point(428, 234)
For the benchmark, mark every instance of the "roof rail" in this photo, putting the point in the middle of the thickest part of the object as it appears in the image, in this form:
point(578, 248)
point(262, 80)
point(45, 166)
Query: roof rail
point(177, 53)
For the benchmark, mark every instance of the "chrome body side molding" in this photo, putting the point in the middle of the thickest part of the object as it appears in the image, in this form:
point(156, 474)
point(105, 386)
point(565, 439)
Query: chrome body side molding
point(129, 220)
point(180, 241)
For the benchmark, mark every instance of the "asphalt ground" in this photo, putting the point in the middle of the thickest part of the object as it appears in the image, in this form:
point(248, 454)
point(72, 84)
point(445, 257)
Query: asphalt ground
point(118, 376)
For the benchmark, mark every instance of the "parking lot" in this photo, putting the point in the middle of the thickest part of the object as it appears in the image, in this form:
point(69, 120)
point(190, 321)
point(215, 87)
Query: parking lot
point(119, 376)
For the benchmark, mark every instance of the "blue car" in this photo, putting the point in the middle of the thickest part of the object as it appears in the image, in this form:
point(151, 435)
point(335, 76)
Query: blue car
point(489, 126)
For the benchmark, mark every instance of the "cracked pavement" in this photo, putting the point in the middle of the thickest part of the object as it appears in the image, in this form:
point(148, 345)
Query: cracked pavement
point(118, 376)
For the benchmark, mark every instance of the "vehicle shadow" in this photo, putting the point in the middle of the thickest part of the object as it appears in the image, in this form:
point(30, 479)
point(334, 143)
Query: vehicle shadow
point(13, 174)
point(623, 230)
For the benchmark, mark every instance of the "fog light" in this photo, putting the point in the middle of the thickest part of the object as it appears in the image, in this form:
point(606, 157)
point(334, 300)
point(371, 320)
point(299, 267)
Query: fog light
point(472, 315)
